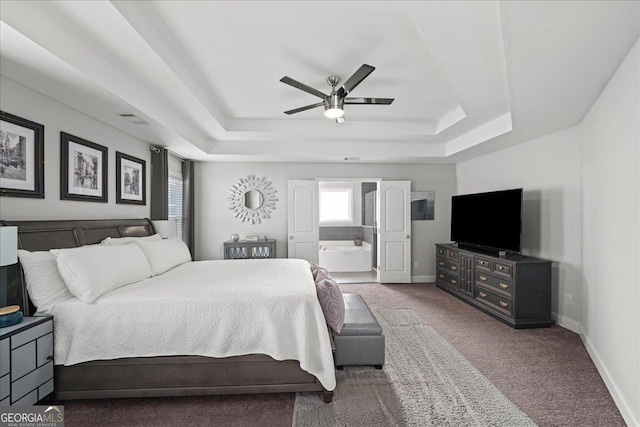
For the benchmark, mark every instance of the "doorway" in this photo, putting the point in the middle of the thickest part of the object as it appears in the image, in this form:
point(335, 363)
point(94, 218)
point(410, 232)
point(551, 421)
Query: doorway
point(347, 221)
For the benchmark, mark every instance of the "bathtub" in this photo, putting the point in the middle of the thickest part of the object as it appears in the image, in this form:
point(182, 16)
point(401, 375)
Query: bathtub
point(343, 255)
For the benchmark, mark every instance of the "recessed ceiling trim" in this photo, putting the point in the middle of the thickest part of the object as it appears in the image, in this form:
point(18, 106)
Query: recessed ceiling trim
point(490, 130)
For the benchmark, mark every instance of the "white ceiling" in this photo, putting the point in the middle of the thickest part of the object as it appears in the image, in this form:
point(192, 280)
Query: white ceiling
point(467, 77)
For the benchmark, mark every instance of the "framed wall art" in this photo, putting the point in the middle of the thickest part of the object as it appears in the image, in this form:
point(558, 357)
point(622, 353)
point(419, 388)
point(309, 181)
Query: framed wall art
point(131, 180)
point(83, 170)
point(21, 157)
point(423, 205)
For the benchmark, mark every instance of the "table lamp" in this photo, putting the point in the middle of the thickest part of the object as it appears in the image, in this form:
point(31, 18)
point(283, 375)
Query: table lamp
point(10, 315)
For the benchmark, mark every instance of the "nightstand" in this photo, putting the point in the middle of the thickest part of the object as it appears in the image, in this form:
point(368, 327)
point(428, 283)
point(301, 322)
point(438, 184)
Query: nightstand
point(249, 249)
point(26, 361)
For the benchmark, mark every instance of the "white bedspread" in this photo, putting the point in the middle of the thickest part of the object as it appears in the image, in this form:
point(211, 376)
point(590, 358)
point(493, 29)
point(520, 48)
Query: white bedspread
point(205, 308)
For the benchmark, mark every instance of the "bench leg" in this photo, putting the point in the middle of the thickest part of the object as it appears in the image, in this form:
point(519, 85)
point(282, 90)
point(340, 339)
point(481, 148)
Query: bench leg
point(340, 367)
point(327, 396)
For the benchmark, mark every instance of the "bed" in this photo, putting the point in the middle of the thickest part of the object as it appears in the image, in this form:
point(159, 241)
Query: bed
point(291, 366)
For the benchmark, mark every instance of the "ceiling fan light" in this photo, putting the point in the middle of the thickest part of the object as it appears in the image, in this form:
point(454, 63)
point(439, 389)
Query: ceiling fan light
point(333, 113)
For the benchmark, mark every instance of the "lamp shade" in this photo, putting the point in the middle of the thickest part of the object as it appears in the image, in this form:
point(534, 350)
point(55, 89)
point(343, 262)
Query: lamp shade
point(8, 245)
point(166, 228)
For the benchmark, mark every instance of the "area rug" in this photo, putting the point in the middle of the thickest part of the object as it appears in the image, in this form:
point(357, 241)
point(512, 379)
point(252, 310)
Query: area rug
point(425, 382)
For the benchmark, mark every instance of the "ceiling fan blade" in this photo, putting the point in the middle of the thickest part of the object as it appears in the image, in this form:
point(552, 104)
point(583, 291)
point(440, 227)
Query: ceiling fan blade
point(356, 79)
point(383, 101)
point(305, 108)
point(302, 86)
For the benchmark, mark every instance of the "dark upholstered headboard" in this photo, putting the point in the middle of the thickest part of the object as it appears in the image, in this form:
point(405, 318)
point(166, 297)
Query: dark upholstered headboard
point(46, 235)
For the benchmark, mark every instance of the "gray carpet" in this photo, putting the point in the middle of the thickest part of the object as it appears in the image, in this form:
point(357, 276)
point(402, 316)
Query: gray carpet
point(425, 382)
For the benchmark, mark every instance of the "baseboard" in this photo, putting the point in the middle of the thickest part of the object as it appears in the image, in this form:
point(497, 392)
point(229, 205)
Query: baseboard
point(618, 398)
point(423, 279)
point(566, 323)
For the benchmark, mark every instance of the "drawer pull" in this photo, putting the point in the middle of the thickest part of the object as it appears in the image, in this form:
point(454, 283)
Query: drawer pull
point(504, 304)
point(442, 276)
point(454, 268)
point(484, 279)
point(454, 281)
point(482, 294)
point(501, 268)
point(441, 263)
point(504, 285)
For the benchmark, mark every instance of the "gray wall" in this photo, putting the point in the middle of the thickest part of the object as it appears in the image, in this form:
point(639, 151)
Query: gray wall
point(56, 117)
point(215, 222)
point(610, 324)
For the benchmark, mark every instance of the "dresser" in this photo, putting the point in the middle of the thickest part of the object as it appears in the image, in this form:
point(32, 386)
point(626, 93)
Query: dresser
point(248, 249)
point(26, 361)
point(515, 289)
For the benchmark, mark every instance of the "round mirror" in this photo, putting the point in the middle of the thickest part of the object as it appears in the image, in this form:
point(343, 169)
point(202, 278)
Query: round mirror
point(252, 199)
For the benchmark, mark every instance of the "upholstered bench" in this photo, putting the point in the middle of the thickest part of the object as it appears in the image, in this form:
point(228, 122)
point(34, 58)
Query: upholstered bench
point(361, 341)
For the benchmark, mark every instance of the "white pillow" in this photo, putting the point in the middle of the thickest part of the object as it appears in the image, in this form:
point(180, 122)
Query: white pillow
point(123, 240)
point(93, 270)
point(44, 284)
point(165, 254)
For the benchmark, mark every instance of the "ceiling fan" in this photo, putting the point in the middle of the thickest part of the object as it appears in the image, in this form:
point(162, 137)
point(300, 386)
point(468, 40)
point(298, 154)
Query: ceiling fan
point(334, 102)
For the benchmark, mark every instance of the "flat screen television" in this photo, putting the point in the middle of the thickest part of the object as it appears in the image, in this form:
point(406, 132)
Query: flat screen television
point(490, 221)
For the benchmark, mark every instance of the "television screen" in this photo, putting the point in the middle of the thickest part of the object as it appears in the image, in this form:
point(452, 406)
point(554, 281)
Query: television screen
point(491, 220)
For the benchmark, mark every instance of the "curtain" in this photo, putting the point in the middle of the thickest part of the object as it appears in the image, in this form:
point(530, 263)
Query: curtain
point(188, 205)
point(159, 183)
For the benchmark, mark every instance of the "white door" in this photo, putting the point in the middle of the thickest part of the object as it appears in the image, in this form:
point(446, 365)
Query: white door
point(302, 220)
point(394, 232)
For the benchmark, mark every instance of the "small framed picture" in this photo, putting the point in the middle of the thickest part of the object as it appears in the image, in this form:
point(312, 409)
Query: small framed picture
point(131, 180)
point(422, 205)
point(21, 157)
point(83, 171)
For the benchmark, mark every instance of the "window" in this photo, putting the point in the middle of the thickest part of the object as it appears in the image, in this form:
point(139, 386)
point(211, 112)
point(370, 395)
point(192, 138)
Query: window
point(339, 203)
point(175, 192)
point(336, 205)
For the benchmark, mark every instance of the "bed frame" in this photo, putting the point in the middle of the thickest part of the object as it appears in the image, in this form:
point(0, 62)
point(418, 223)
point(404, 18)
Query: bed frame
point(148, 376)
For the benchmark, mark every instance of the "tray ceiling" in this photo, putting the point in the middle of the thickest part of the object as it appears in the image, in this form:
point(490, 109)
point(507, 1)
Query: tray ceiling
point(467, 77)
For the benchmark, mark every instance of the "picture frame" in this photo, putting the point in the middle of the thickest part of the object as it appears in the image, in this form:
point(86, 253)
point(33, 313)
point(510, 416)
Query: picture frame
point(131, 180)
point(83, 170)
point(21, 157)
point(423, 205)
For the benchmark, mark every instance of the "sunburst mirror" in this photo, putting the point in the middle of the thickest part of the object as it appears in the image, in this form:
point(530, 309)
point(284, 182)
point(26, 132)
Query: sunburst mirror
point(252, 199)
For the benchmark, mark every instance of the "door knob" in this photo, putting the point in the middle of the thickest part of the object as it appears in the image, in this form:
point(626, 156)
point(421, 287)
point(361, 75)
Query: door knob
point(290, 237)
point(408, 236)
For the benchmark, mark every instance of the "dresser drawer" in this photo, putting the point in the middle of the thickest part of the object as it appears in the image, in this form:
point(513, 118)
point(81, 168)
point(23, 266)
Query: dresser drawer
point(32, 381)
point(5, 354)
point(31, 334)
point(5, 386)
point(448, 265)
point(501, 285)
point(448, 279)
point(502, 268)
point(494, 300)
point(454, 255)
point(483, 263)
point(441, 252)
point(23, 360)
